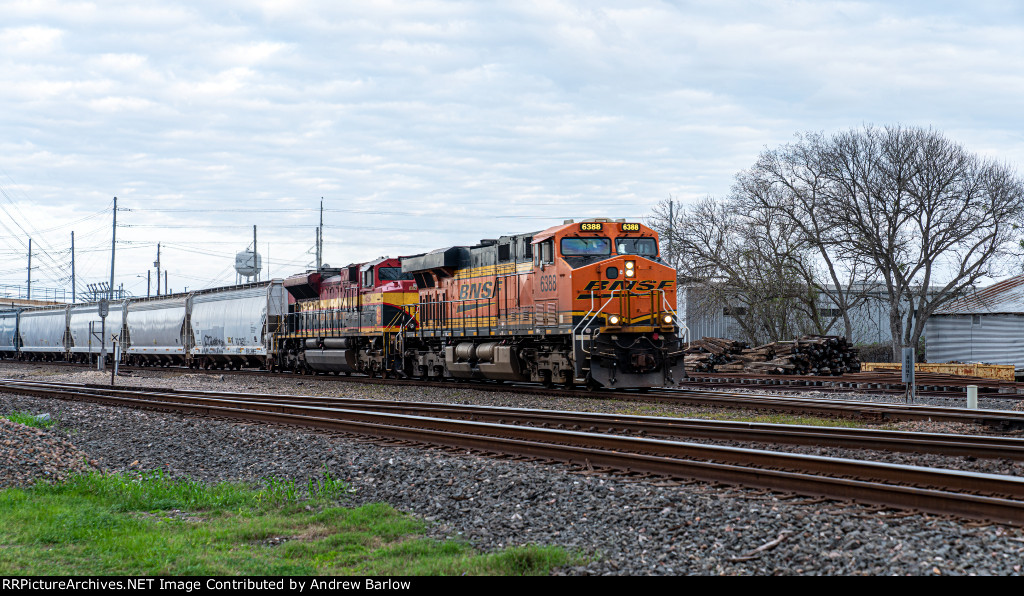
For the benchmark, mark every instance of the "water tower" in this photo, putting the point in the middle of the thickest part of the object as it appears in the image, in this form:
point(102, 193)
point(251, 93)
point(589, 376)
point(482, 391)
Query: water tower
point(248, 264)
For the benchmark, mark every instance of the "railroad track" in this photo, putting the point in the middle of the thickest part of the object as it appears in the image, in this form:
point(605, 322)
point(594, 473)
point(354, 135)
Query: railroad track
point(978, 496)
point(675, 428)
point(872, 412)
point(927, 384)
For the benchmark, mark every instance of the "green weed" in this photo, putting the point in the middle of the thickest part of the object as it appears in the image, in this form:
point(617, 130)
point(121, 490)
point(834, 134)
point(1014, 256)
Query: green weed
point(28, 420)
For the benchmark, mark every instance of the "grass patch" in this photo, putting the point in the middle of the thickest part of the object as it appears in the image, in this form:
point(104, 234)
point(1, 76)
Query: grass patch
point(29, 420)
point(147, 524)
point(784, 419)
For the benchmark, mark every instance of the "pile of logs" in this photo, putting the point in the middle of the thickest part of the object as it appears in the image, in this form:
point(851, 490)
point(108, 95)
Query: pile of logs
point(809, 355)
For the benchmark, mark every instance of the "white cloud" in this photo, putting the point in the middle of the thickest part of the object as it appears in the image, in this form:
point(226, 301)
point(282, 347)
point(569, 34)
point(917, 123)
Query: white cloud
point(470, 118)
point(30, 41)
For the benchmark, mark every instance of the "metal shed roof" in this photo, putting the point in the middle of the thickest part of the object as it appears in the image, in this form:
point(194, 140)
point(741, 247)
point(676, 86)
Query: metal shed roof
point(1004, 297)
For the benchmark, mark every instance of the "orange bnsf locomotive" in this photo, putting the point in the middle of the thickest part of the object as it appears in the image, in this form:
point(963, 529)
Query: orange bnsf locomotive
point(585, 303)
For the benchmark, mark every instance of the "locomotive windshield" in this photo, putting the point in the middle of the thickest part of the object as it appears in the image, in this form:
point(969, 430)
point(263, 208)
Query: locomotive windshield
point(586, 247)
point(645, 247)
point(392, 274)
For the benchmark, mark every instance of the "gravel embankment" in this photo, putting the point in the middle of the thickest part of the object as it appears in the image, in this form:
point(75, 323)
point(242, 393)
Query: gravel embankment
point(28, 454)
point(632, 526)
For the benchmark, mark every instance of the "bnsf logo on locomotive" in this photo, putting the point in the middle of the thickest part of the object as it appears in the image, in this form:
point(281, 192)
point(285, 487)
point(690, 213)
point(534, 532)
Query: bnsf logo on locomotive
point(645, 285)
point(483, 290)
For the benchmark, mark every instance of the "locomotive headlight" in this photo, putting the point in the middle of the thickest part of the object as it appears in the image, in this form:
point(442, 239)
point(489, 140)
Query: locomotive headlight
point(630, 269)
point(614, 320)
point(667, 319)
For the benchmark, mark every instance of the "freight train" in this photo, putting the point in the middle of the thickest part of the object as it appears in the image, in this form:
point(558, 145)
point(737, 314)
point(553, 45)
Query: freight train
point(582, 303)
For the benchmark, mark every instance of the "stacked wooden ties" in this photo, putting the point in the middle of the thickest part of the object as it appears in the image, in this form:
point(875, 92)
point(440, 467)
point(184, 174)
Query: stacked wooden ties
point(809, 355)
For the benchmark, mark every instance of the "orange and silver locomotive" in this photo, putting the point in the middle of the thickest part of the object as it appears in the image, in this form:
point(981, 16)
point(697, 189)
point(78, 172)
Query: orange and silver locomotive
point(586, 303)
point(580, 303)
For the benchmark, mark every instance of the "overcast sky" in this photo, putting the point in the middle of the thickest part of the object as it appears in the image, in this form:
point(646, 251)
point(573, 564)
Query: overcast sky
point(425, 124)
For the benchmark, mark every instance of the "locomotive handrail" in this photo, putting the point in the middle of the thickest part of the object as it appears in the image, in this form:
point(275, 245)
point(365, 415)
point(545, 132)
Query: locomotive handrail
point(675, 316)
point(584, 319)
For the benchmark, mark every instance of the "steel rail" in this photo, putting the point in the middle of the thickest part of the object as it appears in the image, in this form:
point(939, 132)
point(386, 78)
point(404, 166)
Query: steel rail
point(863, 409)
point(871, 439)
point(950, 492)
point(871, 411)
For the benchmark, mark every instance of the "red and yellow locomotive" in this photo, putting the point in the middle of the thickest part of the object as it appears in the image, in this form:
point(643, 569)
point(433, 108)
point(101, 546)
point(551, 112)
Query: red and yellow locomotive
point(347, 320)
point(579, 303)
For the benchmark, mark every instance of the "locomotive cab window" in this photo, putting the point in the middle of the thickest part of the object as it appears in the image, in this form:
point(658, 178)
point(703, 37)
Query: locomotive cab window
point(586, 247)
point(645, 247)
point(392, 274)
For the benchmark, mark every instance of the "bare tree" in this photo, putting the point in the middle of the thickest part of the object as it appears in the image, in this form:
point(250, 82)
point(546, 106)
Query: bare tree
point(929, 218)
point(791, 182)
point(748, 262)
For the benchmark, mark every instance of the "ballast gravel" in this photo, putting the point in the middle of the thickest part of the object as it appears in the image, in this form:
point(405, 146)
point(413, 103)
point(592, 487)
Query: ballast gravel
point(628, 526)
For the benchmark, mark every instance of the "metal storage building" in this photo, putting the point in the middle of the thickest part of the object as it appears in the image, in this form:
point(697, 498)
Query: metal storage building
point(987, 326)
point(704, 316)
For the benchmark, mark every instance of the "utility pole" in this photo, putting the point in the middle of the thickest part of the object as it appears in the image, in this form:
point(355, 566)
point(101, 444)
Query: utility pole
point(320, 238)
point(72, 267)
point(149, 273)
point(105, 303)
point(255, 271)
point(113, 247)
point(156, 264)
point(28, 292)
point(165, 281)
